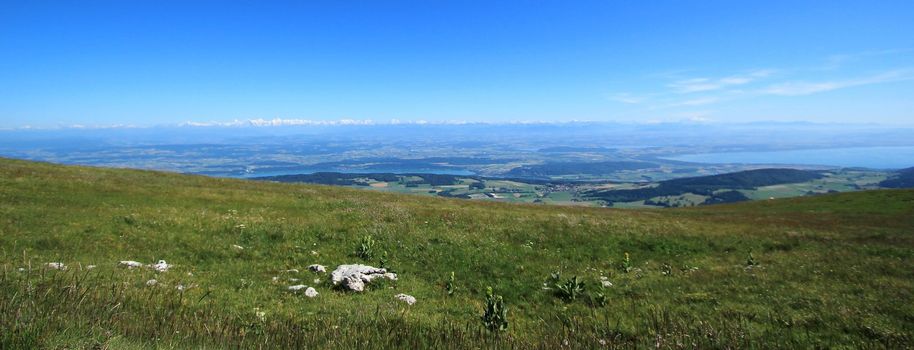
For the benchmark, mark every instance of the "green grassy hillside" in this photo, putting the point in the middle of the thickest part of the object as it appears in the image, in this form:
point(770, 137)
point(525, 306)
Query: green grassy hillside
point(825, 271)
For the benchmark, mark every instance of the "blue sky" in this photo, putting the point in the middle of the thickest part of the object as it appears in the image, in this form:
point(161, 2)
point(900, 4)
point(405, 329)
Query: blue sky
point(166, 62)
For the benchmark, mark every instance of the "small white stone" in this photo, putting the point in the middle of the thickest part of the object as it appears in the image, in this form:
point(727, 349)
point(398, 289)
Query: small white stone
point(151, 283)
point(297, 287)
point(238, 247)
point(130, 264)
point(161, 266)
point(89, 267)
point(56, 266)
point(408, 299)
point(310, 292)
point(292, 270)
point(317, 268)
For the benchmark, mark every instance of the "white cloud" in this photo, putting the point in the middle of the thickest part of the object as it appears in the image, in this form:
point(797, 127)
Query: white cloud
point(627, 98)
point(837, 61)
point(699, 101)
point(708, 84)
point(800, 88)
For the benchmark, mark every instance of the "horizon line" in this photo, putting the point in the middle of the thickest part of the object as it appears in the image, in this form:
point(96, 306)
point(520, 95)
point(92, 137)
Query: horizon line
point(295, 122)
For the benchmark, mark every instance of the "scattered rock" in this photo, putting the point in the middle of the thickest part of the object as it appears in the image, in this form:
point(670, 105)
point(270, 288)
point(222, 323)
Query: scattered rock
point(181, 287)
point(353, 284)
point(161, 266)
point(56, 266)
point(292, 270)
point(89, 267)
point(297, 287)
point(317, 268)
point(354, 277)
point(238, 247)
point(408, 299)
point(310, 292)
point(131, 264)
point(21, 269)
point(151, 283)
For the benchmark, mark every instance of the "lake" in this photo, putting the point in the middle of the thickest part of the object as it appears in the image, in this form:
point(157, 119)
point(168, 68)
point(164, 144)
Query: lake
point(866, 157)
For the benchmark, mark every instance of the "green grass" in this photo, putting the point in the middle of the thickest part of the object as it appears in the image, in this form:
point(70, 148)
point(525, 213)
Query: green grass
point(833, 270)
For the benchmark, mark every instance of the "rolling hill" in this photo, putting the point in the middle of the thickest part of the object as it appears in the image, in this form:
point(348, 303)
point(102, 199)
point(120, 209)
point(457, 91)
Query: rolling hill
point(824, 271)
point(903, 178)
point(708, 185)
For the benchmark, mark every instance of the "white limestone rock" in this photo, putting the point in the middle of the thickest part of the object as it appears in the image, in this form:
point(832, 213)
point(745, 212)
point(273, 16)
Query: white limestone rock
point(161, 266)
point(408, 299)
point(130, 264)
point(354, 277)
point(56, 266)
point(317, 268)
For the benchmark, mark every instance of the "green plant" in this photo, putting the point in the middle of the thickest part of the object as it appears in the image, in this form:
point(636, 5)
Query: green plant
point(449, 286)
point(626, 265)
point(555, 277)
point(598, 296)
point(495, 314)
point(382, 262)
point(571, 289)
point(365, 249)
point(750, 261)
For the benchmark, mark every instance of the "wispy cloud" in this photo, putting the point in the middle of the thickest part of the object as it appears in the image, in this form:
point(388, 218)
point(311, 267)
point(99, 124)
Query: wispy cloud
point(627, 98)
point(838, 60)
point(692, 85)
point(699, 101)
point(800, 88)
point(682, 91)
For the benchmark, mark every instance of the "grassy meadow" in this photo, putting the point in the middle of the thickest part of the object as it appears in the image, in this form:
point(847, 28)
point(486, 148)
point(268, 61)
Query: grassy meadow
point(831, 271)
